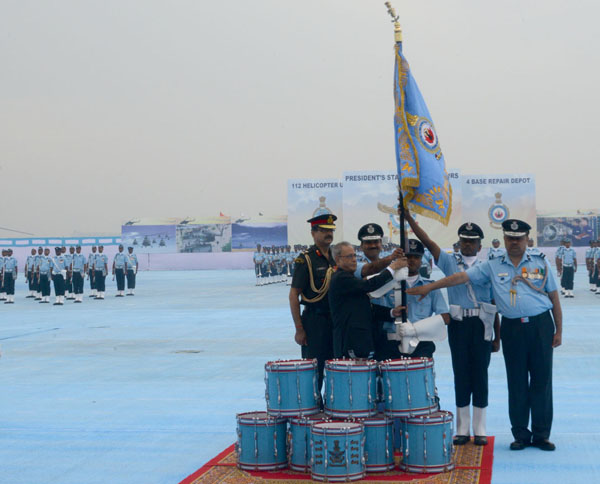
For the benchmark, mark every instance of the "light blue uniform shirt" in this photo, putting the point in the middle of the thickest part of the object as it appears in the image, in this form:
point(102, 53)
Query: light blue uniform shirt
point(387, 299)
point(100, 261)
point(91, 261)
point(500, 273)
point(78, 262)
point(131, 260)
point(559, 251)
point(44, 264)
point(259, 257)
point(459, 295)
point(58, 263)
point(533, 251)
point(433, 303)
point(493, 253)
point(119, 260)
point(68, 259)
point(426, 259)
point(589, 253)
point(10, 264)
point(2, 262)
point(596, 253)
point(568, 257)
point(30, 262)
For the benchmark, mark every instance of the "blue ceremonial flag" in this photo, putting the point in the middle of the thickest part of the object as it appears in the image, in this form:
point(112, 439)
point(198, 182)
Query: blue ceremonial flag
point(421, 165)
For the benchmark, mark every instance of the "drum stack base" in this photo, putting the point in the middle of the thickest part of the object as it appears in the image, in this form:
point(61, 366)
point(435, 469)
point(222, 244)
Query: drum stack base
point(371, 411)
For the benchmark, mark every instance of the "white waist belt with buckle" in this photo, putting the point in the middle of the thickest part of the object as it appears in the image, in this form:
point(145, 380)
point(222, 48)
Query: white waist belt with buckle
point(470, 313)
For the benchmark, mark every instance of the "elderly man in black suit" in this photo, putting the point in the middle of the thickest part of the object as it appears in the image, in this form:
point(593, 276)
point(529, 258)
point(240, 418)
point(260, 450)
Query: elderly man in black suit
point(351, 309)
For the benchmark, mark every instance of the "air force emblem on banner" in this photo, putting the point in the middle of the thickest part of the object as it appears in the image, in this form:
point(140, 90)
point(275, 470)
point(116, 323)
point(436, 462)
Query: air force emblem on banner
point(427, 135)
point(498, 212)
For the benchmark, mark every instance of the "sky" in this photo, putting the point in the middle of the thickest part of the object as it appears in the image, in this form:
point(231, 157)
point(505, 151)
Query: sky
point(116, 110)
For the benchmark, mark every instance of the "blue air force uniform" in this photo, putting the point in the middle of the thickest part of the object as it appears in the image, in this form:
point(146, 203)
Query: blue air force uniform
point(69, 277)
point(131, 265)
point(78, 270)
point(9, 271)
point(29, 273)
point(91, 263)
point(521, 296)
point(470, 334)
point(568, 264)
point(119, 271)
point(58, 268)
point(100, 267)
point(43, 271)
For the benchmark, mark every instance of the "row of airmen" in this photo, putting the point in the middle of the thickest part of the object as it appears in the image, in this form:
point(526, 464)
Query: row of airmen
point(592, 263)
point(274, 264)
point(67, 271)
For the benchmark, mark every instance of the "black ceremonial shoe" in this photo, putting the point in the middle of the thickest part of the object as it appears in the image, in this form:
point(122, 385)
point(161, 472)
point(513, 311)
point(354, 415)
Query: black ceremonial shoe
point(544, 444)
point(461, 439)
point(480, 440)
point(518, 445)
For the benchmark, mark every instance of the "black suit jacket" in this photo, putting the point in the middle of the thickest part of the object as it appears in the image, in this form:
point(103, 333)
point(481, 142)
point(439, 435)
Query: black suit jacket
point(353, 314)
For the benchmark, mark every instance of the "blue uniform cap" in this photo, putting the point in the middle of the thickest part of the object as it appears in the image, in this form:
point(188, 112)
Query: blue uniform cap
point(515, 228)
point(370, 232)
point(415, 247)
point(470, 230)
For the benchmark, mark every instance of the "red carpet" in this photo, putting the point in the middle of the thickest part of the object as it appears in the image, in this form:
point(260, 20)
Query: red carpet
point(473, 466)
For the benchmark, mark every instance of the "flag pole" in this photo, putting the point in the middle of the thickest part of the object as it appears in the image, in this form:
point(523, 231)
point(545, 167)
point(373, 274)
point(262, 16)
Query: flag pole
point(401, 212)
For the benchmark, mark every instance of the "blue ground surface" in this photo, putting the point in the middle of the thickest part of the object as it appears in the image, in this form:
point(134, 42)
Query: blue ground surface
point(145, 389)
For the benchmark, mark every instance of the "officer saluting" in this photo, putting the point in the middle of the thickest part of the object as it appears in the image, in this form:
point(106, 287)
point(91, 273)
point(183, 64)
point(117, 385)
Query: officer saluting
point(310, 284)
point(525, 292)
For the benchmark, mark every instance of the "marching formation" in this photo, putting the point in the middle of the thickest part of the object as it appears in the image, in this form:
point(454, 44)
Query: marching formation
point(67, 272)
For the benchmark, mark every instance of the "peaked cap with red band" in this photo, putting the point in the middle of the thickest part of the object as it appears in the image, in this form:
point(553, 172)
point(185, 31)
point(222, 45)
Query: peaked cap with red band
point(324, 221)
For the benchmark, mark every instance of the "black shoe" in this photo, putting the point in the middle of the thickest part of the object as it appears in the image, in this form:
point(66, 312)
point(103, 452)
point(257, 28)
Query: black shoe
point(91, 295)
point(77, 301)
point(480, 440)
point(27, 297)
point(9, 302)
point(44, 302)
point(461, 439)
point(544, 444)
point(518, 445)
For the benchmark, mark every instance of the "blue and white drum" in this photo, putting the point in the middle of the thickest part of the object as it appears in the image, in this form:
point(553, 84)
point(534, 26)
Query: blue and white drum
point(291, 387)
point(408, 387)
point(261, 444)
point(350, 388)
point(426, 442)
point(337, 451)
point(299, 441)
point(379, 445)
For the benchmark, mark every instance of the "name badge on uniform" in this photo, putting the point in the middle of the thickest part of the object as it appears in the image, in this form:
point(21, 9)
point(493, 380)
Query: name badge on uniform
point(503, 274)
point(524, 320)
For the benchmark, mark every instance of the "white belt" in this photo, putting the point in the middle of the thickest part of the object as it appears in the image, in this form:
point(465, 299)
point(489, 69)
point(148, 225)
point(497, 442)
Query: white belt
point(470, 313)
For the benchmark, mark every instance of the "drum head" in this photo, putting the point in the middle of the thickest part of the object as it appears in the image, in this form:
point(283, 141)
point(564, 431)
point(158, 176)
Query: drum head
point(291, 364)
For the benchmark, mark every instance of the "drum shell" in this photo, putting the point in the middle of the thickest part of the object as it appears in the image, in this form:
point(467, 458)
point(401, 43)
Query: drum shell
point(379, 443)
point(350, 388)
point(291, 387)
point(408, 387)
point(262, 443)
point(337, 451)
point(427, 443)
point(299, 449)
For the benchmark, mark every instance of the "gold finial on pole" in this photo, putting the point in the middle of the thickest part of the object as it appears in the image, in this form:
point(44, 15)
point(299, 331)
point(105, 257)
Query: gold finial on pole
point(397, 28)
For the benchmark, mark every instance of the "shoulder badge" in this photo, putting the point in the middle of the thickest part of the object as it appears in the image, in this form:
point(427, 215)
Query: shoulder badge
point(299, 260)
